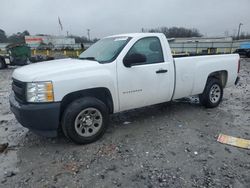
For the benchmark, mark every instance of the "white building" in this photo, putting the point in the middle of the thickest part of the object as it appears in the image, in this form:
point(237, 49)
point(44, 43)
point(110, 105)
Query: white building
point(56, 42)
point(202, 39)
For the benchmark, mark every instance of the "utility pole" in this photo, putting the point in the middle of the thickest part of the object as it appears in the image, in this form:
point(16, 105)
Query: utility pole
point(88, 31)
point(239, 31)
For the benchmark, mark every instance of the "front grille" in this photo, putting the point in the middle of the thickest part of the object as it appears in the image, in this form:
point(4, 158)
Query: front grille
point(19, 89)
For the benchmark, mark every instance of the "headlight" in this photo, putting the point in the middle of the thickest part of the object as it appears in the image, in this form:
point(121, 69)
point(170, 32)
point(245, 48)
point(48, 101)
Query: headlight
point(40, 92)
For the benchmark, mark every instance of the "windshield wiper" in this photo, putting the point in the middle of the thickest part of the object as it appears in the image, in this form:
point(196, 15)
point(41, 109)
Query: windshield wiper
point(88, 58)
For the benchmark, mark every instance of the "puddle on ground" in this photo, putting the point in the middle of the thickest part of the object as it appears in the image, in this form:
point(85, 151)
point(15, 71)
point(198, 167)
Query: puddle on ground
point(12, 133)
point(8, 163)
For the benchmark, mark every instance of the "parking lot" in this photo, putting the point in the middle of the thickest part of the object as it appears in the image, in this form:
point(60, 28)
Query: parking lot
point(165, 145)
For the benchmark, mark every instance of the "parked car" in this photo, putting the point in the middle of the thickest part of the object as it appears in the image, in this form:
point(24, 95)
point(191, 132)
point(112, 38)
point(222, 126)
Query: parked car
point(243, 52)
point(244, 49)
point(117, 73)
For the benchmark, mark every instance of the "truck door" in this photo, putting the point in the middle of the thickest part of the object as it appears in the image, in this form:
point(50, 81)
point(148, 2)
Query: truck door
point(144, 83)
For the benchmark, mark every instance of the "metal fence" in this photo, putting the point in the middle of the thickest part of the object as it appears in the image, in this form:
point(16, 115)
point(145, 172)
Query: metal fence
point(176, 48)
point(53, 53)
point(204, 47)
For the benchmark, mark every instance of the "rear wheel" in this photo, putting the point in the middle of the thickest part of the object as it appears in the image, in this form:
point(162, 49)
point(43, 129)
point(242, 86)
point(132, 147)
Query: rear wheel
point(85, 120)
point(212, 94)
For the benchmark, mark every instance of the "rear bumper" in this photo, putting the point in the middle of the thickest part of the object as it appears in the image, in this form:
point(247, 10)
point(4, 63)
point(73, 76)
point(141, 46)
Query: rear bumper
point(237, 80)
point(42, 119)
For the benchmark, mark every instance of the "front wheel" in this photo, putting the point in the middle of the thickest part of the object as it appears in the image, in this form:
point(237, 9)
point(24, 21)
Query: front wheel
point(212, 94)
point(85, 120)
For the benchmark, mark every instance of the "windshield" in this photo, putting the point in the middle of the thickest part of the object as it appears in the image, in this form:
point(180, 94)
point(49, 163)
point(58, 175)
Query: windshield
point(105, 50)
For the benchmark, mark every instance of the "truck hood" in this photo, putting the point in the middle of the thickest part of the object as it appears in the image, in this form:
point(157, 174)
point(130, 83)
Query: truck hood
point(44, 71)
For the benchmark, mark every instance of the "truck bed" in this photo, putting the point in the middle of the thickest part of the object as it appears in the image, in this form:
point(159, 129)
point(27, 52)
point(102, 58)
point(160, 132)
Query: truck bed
point(192, 72)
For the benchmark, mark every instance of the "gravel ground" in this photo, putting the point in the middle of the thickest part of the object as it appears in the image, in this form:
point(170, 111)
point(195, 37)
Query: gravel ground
point(167, 145)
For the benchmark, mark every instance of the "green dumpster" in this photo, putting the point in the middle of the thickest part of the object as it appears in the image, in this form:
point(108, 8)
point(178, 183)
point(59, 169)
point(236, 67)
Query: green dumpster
point(19, 54)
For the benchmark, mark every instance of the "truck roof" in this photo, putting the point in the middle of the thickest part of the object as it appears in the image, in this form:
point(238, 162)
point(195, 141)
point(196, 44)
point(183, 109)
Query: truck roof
point(136, 35)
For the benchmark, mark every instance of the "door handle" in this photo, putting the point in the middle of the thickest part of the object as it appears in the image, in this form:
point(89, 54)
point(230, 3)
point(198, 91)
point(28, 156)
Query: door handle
point(161, 71)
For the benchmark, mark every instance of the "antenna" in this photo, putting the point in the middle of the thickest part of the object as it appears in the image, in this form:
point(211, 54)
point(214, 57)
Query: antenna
point(239, 31)
point(60, 26)
point(88, 31)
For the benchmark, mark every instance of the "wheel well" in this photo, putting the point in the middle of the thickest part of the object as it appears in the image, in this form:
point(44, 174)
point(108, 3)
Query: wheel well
point(103, 94)
point(220, 75)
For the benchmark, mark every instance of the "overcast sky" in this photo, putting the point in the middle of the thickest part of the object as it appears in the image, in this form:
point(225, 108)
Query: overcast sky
point(106, 17)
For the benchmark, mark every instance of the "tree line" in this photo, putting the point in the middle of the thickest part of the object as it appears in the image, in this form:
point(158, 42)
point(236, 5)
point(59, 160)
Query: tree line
point(172, 32)
point(179, 32)
point(18, 38)
point(14, 38)
point(175, 32)
point(243, 35)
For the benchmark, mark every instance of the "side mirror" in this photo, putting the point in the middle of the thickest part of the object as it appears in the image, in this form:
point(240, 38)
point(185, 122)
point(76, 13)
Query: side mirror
point(134, 59)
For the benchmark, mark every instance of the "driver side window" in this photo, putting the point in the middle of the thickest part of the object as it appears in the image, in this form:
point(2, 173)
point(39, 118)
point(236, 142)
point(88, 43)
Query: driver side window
point(150, 47)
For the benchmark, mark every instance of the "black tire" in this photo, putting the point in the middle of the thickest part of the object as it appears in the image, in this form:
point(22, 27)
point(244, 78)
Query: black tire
point(76, 112)
point(212, 94)
point(248, 54)
point(2, 63)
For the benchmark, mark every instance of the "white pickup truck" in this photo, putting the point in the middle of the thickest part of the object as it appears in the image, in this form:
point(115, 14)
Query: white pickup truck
point(117, 73)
